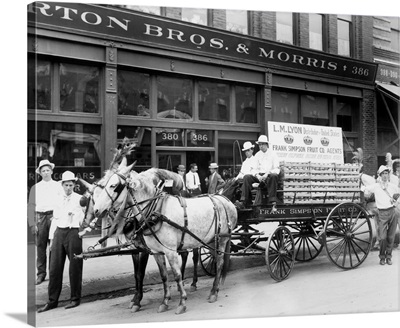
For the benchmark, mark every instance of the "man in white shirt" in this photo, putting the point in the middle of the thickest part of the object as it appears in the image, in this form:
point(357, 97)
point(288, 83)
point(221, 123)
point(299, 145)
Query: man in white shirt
point(42, 200)
point(266, 173)
point(386, 199)
point(69, 216)
point(193, 184)
point(249, 164)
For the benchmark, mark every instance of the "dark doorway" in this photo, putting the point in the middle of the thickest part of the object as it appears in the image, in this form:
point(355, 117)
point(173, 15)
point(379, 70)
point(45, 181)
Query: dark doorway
point(203, 160)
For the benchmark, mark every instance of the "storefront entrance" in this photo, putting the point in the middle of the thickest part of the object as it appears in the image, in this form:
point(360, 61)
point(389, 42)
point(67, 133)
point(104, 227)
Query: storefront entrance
point(171, 160)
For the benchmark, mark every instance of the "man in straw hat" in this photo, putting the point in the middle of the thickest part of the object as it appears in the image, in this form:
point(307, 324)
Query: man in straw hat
point(266, 173)
point(214, 181)
point(42, 200)
point(386, 198)
point(249, 164)
point(69, 216)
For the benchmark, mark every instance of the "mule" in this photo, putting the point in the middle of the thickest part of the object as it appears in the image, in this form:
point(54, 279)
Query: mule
point(164, 224)
point(140, 259)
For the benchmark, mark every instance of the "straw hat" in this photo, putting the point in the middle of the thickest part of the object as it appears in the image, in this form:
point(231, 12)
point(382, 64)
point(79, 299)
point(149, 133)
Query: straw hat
point(262, 139)
point(247, 145)
point(213, 166)
point(68, 176)
point(382, 169)
point(42, 163)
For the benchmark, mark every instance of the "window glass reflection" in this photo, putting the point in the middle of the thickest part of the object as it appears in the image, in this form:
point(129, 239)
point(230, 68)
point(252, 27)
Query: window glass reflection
point(79, 88)
point(174, 98)
point(74, 147)
point(213, 101)
point(246, 104)
point(315, 28)
point(315, 110)
point(284, 27)
point(39, 85)
point(236, 21)
point(133, 93)
point(145, 9)
point(284, 107)
point(194, 15)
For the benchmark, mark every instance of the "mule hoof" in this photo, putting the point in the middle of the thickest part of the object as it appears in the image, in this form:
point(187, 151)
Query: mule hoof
point(162, 308)
point(181, 309)
point(193, 288)
point(212, 298)
point(134, 308)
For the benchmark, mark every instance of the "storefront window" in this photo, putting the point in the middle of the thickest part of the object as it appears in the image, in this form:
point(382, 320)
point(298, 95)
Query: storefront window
point(142, 137)
point(39, 84)
point(174, 98)
point(213, 101)
point(74, 147)
point(236, 21)
point(79, 88)
point(133, 93)
point(285, 107)
point(314, 110)
point(246, 104)
point(194, 15)
point(346, 115)
point(284, 27)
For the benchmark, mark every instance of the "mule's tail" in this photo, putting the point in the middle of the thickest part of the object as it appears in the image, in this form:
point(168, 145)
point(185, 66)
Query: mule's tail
point(227, 261)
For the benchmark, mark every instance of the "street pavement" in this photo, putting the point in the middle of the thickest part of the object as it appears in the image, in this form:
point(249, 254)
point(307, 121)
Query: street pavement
point(114, 273)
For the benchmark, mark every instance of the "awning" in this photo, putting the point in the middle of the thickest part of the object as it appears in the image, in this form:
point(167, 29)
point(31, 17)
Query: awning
point(389, 90)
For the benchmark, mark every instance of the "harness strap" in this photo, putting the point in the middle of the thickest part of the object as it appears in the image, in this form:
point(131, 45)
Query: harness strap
point(182, 201)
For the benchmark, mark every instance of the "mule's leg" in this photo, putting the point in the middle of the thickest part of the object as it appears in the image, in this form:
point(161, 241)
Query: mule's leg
point(139, 264)
point(184, 256)
point(220, 263)
point(193, 286)
point(174, 263)
point(162, 266)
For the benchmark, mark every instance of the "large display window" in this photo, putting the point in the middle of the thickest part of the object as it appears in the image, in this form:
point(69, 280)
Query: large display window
point(74, 147)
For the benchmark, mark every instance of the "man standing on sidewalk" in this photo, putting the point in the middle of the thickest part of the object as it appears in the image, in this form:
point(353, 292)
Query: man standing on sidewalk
point(69, 216)
point(386, 195)
point(42, 200)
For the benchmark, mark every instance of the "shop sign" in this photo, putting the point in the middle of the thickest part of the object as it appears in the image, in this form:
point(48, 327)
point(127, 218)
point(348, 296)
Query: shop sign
point(388, 73)
point(114, 24)
point(306, 143)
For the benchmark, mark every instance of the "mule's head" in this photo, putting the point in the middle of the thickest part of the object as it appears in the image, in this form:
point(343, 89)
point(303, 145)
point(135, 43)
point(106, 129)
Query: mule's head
point(113, 189)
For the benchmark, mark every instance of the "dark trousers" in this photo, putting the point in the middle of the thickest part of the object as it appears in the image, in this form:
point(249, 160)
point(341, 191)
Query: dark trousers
point(43, 223)
point(66, 242)
point(270, 183)
point(387, 223)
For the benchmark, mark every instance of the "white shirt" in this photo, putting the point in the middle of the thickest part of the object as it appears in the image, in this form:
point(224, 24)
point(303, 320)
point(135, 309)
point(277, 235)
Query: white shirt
point(267, 162)
point(66, 205)
point(43, 197)
point(192, 180)
point(382, 199)
point(248, 167)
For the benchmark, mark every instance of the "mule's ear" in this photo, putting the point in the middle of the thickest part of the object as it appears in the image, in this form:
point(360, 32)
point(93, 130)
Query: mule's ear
point(123, 163)
point(87, 185)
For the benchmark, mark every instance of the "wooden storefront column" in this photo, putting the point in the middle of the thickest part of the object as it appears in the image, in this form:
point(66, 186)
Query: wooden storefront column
point(109, 126)
point(266, 113)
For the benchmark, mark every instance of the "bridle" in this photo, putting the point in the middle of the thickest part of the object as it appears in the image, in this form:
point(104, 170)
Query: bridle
point(118, 190)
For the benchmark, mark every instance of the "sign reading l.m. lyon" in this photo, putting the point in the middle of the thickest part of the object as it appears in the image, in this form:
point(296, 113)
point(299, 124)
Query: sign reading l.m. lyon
point(306, 143)
point(162, 32)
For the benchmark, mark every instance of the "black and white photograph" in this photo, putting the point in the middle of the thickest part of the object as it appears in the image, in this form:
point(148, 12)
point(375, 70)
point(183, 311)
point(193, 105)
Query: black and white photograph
point(207, 163)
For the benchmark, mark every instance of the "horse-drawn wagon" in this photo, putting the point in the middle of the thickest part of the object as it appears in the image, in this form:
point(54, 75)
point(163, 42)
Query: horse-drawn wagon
point(321, 208)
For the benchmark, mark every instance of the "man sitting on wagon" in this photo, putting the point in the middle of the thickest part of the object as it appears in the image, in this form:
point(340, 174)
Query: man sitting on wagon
point(266, 173)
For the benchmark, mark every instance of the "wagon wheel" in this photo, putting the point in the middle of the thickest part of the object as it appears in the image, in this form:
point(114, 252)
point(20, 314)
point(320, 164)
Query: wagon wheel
point(207, 261)
point(347, 235)
point(279, 254)
point(306, 242)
